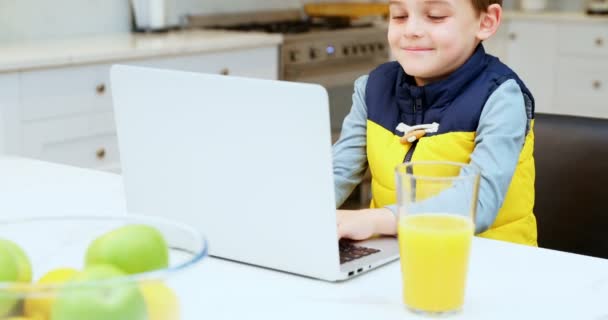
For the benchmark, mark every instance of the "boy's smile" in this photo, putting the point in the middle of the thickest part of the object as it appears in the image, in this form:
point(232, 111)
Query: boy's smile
point(432, 38)
point(417, 49)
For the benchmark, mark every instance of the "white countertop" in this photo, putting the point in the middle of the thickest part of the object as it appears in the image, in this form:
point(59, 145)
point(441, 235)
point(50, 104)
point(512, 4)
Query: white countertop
point(20, 56)
point(557, 16)
point(549, 16)
point(505, 281)
point(118, 47)
point(37, 188)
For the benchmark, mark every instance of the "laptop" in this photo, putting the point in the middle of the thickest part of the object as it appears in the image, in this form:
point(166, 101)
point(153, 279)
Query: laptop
point(246, 161)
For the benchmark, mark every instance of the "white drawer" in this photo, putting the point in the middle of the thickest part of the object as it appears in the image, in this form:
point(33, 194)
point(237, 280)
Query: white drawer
point(582, 87)
point(586, 39)
point(254, 63)
point(65, 91)
point(87, 141)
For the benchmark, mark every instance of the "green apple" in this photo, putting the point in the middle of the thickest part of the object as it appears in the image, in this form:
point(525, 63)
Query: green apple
point(97, 293)
point(132, 248)
point(9, 272)
point(23, 262)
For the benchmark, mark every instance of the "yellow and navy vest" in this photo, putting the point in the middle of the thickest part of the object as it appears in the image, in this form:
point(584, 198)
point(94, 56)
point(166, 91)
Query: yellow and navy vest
point(456, 104)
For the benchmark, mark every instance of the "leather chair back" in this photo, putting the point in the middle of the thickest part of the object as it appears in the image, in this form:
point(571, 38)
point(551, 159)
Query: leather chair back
point(571, 207)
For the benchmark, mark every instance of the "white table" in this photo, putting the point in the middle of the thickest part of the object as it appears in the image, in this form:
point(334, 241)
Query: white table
point(506, 281)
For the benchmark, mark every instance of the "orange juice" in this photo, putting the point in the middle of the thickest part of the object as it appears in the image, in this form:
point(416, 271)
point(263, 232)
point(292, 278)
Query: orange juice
point(434, 252)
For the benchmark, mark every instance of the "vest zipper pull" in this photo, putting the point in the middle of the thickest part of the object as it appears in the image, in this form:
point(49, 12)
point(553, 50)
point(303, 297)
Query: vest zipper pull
point(413, 133)
point(429, 128)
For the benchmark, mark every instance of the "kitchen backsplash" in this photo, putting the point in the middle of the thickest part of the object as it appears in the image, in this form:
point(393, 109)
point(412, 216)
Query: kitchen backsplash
point(41, 19)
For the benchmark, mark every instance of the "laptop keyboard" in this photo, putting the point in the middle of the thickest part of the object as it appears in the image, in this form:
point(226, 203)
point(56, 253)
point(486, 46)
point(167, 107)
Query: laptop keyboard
point(350, 252)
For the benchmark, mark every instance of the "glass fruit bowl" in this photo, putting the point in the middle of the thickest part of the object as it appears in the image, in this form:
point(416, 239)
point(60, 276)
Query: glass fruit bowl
point(99, 267)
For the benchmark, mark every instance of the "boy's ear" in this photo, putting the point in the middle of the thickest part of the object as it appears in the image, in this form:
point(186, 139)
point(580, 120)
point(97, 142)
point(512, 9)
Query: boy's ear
point(489, 22)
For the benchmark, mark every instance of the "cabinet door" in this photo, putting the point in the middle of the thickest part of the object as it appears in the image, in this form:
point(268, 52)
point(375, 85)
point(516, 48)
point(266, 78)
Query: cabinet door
point(65, 115)
point(583, 39)
point(582, 87)
point(87, 141)
point(531, 53)
point(9, 116)
point(254, 63)
point(64, 92)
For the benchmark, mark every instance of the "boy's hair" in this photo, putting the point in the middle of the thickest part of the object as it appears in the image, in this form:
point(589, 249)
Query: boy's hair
point(482, 5)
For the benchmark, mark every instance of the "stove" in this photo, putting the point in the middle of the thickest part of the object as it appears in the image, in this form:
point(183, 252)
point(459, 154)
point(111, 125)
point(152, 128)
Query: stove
point(332, 52)
point(310, 45)
point(289, 26)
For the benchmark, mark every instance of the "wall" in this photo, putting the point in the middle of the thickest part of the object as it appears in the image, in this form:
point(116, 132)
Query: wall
point(44, 19)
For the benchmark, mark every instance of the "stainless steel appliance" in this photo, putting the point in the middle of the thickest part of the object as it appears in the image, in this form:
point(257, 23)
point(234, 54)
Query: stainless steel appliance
point(331, 51)
point(597, 7)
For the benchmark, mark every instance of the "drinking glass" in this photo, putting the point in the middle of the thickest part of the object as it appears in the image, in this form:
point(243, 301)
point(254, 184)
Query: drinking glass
point(436, 202)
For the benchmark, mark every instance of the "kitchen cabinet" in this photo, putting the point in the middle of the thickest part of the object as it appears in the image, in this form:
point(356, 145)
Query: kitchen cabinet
point(581, 87)
point(564, 63)
point(65, 91)
point(256, 63)
point(65, 114)
point(530, 52)
point(9, 100)
point(84, 140)
point(582, 70)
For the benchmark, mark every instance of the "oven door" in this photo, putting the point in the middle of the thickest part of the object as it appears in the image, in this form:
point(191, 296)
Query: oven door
point(339, 80)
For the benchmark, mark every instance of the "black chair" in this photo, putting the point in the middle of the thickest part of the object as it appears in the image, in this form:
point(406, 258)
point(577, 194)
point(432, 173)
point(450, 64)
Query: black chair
point(571, 208)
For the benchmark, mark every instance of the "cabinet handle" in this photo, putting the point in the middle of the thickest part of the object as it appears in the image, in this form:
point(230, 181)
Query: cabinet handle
point(225, 71)
point(599, 42)
point(596, 84)
point(101, 89)
point(512, 36)
point(100, 153)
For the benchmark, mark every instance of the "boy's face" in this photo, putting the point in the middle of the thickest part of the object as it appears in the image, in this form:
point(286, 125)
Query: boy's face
point(432, 38)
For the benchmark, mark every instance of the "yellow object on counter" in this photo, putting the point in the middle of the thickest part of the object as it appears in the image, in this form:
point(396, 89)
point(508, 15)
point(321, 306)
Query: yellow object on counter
point(351, 10)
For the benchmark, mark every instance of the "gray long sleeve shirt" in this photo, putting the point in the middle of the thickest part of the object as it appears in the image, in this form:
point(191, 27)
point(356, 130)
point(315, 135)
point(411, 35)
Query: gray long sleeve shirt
point(499, 140)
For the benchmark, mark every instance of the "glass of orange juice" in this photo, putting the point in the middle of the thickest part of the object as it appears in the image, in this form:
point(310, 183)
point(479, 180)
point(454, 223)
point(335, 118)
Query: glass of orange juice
point(436, 203)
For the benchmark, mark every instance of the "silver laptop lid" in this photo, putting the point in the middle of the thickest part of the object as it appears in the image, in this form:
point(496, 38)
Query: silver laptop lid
point(246, 161)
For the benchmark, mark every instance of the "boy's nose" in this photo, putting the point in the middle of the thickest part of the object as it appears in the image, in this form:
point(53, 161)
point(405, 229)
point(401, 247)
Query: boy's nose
point(413, 28)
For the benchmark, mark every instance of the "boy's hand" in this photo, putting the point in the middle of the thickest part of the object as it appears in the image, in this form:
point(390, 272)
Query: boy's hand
point(363, 224)
point(355, 224)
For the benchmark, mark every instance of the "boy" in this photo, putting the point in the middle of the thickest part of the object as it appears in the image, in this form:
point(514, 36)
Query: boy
point(473, 109)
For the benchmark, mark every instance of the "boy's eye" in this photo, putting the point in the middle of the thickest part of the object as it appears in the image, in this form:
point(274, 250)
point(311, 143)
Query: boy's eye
point(437, 18)
point(399, 17)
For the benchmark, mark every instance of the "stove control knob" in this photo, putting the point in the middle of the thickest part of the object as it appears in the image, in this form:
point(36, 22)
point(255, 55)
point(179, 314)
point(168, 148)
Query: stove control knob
point(314, 53)
point(293, 55)
point(345, 51)
point(363, 48)
point(381, 46)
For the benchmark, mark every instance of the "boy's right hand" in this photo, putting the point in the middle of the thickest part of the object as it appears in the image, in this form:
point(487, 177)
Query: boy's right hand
point(355, 224)
point(365, 223)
